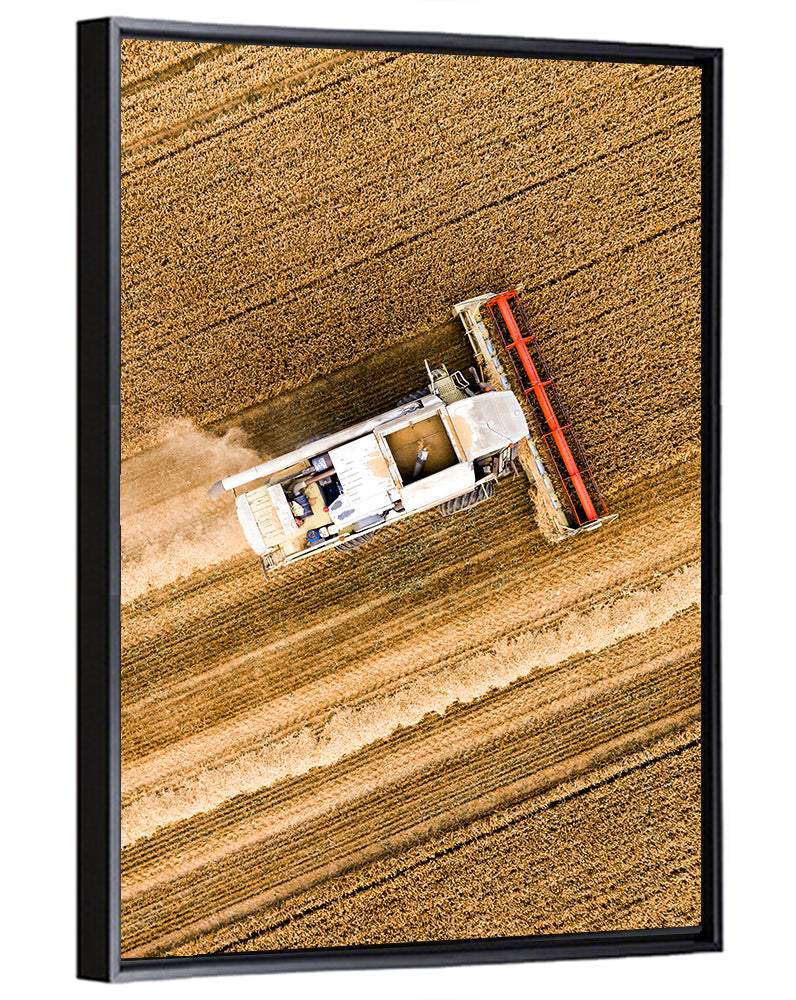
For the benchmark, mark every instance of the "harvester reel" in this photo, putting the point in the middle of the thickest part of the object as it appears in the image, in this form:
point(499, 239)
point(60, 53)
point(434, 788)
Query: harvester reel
point(483, 492)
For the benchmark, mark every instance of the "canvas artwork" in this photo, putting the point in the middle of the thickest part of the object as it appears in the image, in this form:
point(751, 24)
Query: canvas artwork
point(410, 497)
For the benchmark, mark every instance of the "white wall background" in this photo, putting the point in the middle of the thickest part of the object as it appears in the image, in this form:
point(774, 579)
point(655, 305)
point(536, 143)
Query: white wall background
point(37, 448)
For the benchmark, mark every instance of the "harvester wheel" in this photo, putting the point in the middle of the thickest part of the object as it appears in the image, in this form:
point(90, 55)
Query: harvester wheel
point(483, 492)
point(417, 394)
point(354, 543)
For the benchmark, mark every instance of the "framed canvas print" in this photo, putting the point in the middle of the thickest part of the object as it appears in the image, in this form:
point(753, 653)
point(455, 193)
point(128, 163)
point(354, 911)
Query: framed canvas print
point(398, 499)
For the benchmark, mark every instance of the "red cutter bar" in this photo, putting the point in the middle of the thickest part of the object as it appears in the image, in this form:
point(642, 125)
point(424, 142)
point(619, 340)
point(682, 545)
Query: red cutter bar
point(554, 424)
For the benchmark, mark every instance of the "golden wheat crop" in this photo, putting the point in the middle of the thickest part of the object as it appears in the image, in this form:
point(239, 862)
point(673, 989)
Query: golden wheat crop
point(460, 730)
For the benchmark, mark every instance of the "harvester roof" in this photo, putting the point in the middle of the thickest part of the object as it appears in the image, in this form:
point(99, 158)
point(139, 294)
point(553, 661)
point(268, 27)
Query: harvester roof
point(486, 423)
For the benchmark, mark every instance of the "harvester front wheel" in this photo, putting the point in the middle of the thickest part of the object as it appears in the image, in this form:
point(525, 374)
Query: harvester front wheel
point(413, 397)
point(483, 492)
point(354, 543)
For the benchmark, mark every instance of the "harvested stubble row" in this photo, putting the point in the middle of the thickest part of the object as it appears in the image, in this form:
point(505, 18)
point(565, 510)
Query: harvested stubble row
point(277, 844)
point(610, 817)
point(295, 225)
point(186, 662)
point(647, 660)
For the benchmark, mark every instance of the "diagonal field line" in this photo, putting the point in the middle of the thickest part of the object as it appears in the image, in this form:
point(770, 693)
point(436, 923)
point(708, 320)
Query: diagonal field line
point(172, 70)
point(471, 734)
point(465, 682)
point(297, 290)
point(567, 794)
point(535, 784)
point(237, 102)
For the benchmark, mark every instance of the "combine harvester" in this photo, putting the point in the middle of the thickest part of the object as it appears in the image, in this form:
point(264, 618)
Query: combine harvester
point(583, 508)
point(445, 446)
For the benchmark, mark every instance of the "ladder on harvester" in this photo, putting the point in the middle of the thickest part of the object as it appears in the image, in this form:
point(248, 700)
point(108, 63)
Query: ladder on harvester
point(552, 421)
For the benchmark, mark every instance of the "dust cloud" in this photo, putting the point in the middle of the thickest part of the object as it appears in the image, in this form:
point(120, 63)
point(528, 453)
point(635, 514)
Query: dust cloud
point(170, 528)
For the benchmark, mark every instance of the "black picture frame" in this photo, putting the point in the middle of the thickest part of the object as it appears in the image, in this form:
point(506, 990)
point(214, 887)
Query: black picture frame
point(99, 43)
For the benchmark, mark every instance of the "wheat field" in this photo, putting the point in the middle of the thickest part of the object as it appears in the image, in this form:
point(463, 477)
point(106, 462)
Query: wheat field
point(461, 730)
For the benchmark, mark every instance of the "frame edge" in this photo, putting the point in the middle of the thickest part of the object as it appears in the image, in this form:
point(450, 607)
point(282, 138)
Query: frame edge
point(98, 460)
point(98, 955)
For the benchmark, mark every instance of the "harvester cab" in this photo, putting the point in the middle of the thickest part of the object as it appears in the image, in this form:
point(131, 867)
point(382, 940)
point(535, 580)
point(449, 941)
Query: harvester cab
point(552, 455)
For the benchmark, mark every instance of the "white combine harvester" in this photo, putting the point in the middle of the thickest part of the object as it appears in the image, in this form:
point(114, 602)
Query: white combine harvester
point(446, 447)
